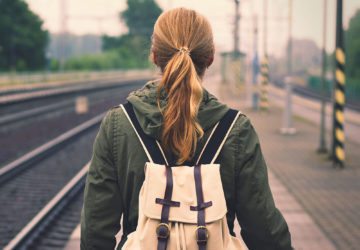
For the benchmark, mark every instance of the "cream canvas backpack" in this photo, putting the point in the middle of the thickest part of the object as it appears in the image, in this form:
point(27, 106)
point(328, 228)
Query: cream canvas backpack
point(182, 207)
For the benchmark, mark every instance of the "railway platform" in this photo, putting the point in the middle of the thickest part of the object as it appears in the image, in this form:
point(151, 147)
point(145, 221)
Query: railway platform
point(321, 204)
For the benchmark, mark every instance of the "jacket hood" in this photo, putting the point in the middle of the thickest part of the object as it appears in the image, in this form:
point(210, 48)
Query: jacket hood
point(146, 109)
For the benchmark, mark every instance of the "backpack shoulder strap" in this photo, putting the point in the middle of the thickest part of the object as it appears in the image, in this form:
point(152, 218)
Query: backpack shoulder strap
point(151, 146)
point(218, 137)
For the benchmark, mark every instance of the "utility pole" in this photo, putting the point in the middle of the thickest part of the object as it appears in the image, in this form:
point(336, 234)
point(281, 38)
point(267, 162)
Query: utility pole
point(100, 20)
point(322, 144)
point(339, 92)
point(63, 32)
point(235, 65)
point(289, 52)
point(255, 94)
point(236, 28)
point(264, 67)
point(287, 128)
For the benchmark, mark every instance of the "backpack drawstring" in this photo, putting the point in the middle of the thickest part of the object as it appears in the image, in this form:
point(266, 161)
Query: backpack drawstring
point(178, 247)
point(183, 236)
point(180, 236)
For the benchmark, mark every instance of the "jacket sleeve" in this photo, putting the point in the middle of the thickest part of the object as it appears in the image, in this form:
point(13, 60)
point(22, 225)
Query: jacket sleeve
point(102, 208)
point(262, 224)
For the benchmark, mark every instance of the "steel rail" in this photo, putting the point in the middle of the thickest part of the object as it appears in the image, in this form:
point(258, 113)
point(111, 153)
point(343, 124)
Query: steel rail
point(11, 118)
point(6, 119)
point(12, 169)
point(314, 94)
point(22, 97)
point(32, 231)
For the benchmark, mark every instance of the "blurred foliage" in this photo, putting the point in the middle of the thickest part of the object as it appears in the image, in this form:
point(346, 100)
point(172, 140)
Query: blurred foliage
point(315, 82)
point(127, 51)
point(352, 66)
point(22, 39)
point(118, 58)
point(140, 17)
point(352, 88)
point(54, 64)
point(132, 50)
point(352, 48)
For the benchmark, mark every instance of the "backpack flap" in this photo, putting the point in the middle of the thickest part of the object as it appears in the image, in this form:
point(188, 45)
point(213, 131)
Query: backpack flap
point(184, 191)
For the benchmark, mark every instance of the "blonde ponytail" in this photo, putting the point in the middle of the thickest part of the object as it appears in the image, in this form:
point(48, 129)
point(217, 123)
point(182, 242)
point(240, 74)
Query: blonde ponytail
point(182, 44)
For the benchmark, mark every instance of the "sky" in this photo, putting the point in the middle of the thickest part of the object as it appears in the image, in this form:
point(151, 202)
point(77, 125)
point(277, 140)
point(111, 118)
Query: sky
point(102, 17)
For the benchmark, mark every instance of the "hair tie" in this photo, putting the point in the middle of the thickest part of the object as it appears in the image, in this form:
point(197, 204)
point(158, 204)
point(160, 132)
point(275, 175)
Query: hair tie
point(184, 50)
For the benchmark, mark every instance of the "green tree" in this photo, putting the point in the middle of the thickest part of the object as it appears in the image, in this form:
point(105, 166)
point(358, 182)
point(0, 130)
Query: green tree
point(22, 39)
point(140, 16)
point(352, 48)
point(110, 42)
point(133, 48)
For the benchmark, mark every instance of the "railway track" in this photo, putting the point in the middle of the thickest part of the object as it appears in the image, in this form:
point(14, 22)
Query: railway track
point(20, 97)
point(16, 167)
point(29, 183)
point(52, 226)
point(19, 102)
point(353, 104)
point(38, 122)
point(68, 103)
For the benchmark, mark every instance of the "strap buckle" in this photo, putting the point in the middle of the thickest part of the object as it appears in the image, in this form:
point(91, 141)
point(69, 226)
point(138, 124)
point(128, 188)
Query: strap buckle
point(163, 230)
point(201, 235)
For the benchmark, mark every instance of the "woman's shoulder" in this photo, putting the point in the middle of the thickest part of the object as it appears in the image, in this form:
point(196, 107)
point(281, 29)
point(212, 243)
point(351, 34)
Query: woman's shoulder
point(243, 131)
point(242, 124)
point(115, 121)
point(112, 114)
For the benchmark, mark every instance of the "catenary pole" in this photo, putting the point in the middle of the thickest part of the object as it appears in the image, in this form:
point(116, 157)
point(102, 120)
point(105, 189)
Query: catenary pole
point(255, 67)
point(322, 143)
point(287, 128)
point(236, 28)
point(63, 33)
point(264, 67)
point(289, 52)
point(339, 92)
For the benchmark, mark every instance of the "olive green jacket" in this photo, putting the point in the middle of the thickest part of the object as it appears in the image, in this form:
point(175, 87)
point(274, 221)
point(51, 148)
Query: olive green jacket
point(117, 172)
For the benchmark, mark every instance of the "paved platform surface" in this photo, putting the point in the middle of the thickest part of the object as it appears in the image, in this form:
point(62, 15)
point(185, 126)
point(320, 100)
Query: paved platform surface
point(330, 197)
point(320, 204)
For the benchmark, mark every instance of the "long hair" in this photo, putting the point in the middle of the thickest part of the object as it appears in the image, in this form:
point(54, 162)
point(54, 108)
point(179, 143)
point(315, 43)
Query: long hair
point(183, 47)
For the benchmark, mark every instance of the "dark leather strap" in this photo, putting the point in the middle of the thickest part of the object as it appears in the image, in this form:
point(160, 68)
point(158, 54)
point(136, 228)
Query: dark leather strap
point(201, 206)
point(217, 137)
point(167, 202)
point(167, 196)
point(149, 142)
point(162, 244)
point(163, 230)
point(201, 231)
